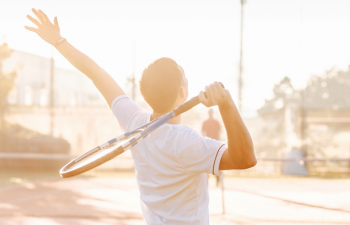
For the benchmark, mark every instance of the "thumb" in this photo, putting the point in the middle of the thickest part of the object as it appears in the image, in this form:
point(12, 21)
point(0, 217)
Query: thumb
point(56, 22)
point(203, 99)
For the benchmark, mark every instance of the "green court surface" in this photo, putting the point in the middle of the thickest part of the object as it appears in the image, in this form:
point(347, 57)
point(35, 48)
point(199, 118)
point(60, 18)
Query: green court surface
point(113, 198)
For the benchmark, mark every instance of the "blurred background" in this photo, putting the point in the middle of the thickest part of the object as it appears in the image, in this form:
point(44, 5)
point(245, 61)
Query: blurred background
point(286, 64)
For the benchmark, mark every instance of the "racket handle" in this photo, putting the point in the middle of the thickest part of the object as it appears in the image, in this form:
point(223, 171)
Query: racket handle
point(187, 105)
point(190, 104)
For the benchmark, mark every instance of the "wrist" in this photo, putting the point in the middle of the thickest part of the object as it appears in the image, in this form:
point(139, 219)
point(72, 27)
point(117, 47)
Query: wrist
point(59, 41)
point(228, 103)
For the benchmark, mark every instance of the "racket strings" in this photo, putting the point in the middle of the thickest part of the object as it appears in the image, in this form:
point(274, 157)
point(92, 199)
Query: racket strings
point(127, 135)
point(91, 157)
point(98, 152)
point(111, 149)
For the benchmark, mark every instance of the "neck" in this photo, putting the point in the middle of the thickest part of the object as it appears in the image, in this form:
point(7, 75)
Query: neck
point(175, 120)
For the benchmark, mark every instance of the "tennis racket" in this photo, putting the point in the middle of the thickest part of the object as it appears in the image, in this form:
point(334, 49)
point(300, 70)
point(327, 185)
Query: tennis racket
point(120, 144)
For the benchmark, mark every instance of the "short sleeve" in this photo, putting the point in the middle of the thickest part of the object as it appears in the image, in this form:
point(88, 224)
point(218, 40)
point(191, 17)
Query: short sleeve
point(198, 154)
point(129, 114)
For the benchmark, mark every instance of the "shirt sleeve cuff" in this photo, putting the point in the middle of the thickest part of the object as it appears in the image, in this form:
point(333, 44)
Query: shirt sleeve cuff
point(116, 100)
point(221, 151)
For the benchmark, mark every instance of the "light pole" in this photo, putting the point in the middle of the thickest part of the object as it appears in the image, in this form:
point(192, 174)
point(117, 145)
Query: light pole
point(240, 79)
point(132, 78)
point(51, 94)
point(133, 74)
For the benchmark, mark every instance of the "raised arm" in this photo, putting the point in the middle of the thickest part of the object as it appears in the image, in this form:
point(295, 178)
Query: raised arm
point(51, 34)
point(240, 151)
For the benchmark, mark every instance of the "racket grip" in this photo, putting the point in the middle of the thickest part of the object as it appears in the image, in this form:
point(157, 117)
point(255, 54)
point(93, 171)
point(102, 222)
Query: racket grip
point(187, 105)
point(190, 104)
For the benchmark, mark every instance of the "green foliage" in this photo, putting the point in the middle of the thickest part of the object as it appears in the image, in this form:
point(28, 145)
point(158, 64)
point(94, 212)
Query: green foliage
point(6, 81)
point(15, 138)
point(19, 139)
point(284, 94)
point(328, 91)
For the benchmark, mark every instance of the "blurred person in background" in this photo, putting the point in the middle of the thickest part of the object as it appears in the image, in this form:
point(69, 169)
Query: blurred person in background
point(172, 163)
point(211, 128)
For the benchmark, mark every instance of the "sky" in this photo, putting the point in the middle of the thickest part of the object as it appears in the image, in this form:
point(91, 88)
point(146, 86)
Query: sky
point(295, 38)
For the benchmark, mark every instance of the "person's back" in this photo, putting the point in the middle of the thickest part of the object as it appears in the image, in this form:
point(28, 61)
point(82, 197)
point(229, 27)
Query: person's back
point(172, 180)
point(171, 163)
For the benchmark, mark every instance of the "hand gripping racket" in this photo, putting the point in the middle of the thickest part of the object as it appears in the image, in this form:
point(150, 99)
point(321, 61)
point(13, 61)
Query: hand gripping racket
point(120, 144)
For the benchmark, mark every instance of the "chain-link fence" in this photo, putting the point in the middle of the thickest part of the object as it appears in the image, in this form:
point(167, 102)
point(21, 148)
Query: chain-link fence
point(297, 167)
point(44, 162)
point(265, 167)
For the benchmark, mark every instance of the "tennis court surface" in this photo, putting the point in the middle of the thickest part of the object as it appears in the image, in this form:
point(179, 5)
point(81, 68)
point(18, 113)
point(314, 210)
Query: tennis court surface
point(114, 199)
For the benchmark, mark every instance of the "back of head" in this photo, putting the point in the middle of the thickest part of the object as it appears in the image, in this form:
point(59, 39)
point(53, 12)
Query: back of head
point(160, 84)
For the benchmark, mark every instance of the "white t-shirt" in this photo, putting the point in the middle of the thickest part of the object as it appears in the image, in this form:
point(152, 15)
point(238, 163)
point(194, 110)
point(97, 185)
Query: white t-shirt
point(171, 167)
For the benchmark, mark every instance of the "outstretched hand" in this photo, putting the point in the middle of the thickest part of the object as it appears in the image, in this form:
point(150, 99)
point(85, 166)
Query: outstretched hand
point(46, 30)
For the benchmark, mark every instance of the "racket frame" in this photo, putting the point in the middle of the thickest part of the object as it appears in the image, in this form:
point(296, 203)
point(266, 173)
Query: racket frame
point(141, 133)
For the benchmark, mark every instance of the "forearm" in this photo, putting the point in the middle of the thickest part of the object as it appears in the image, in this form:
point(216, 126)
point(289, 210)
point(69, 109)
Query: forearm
point(240, 144)
point(102, 80)
point(51, 34)
point(79, 60)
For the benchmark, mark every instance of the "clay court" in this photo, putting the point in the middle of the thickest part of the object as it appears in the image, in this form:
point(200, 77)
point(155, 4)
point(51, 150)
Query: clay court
point(113, 198)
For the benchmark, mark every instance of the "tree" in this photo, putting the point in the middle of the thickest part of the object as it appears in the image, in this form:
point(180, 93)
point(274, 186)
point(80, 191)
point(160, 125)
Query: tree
point(324, 93)
point(329, 91)
point(6, 82)
point(284, 94)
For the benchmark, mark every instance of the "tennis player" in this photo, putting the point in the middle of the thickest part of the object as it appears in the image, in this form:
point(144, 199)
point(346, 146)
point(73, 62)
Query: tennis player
point(172, 163)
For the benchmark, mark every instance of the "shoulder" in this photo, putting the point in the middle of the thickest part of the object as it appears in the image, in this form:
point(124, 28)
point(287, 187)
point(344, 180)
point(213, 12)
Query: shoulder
point(129, 114)
point(195, 152)
point(184, 130)
point(189, 137)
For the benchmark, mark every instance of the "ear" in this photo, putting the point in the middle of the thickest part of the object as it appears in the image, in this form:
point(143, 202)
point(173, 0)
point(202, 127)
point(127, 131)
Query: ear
point(183, 93)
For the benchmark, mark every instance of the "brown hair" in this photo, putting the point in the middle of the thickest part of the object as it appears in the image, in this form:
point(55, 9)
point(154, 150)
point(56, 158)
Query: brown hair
point(160, 84)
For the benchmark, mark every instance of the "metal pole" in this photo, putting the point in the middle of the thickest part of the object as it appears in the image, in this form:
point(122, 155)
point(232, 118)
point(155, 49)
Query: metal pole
point(302, 122)
point(222, 192)
point(133, 75)
point(302, 91)
point(240, 79)
point(51, 98)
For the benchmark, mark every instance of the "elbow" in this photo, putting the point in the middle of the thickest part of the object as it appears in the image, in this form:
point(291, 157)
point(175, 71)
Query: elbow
point(250, 161)
point(242, 158)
